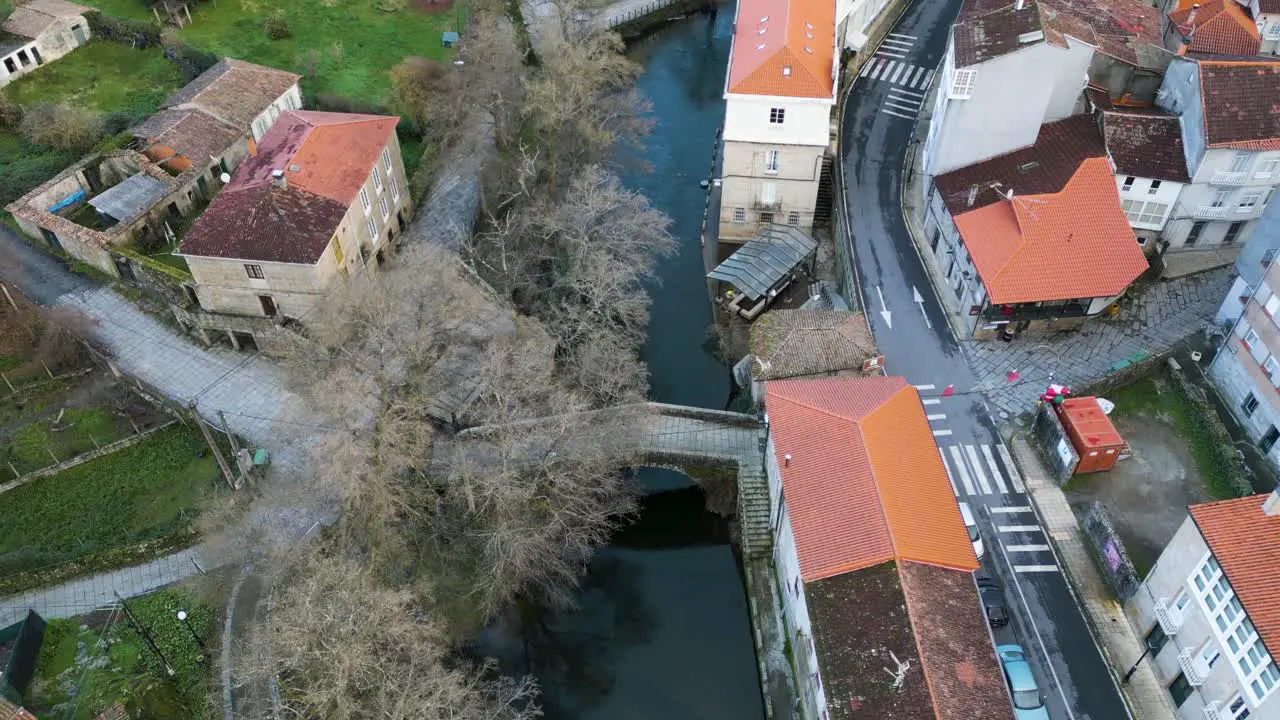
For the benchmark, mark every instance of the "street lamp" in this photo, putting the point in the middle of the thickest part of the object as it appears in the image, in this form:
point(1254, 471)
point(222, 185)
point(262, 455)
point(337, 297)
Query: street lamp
point(182, 617)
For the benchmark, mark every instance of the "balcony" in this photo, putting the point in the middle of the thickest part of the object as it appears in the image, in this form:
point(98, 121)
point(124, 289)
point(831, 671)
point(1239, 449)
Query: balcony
point(1208, 212)
point(767, 206)
point(1214, 711)
point(1013, 313)
point(1226, 177)
point(1170, 618)
point(1193, 666)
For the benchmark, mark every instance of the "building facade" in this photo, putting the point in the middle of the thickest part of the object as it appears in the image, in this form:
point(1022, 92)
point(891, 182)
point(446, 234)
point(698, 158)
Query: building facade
point(1146, 153)
point(1267, 15)
point(38, 32)
point(1208, 614)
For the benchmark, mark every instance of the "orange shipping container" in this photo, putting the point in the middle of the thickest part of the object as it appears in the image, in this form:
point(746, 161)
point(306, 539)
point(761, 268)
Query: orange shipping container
point(1091, 432)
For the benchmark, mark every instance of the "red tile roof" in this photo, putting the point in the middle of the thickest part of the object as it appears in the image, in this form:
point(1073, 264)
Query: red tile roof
point(865, 482)
point(1241, 101)
point(326, 159)
point(1246, 542)
point(1219, 27)
point(1075, 243)
point(783, 48)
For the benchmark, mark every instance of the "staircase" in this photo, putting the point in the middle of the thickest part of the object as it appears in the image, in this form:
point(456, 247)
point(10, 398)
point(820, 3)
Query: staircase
point(826, 189)
point(753, 512)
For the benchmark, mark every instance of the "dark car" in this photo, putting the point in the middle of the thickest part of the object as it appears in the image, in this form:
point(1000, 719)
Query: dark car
point(993, 601)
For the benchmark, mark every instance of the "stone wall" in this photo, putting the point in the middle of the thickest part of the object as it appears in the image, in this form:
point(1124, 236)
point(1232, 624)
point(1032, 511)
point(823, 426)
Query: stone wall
point(168, 284)
point(1109, 552)
point(1051, 442)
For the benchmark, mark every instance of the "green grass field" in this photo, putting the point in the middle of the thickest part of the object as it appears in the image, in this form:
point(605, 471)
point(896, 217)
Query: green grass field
point(36, 444)
point(143, 492)
point(103, 76)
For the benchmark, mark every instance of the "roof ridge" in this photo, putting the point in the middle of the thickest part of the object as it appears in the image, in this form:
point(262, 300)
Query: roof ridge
point(842, 417)
point(875, 476)
point(915, 638)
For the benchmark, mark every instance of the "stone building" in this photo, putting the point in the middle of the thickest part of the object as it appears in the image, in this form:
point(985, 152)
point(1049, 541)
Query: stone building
point(37, 32)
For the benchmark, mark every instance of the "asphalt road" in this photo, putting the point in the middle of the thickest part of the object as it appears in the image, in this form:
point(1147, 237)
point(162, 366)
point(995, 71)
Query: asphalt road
point(41, 276)
point(907, 320)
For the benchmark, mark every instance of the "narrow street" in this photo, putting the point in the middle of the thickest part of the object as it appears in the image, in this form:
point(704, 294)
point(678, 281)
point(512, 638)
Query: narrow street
point(907, 321)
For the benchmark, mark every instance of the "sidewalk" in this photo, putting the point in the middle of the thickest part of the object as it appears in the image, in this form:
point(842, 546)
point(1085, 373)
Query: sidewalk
point(1111, 629)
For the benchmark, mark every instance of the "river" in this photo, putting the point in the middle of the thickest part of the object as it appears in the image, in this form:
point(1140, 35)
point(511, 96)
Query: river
point(661, 627)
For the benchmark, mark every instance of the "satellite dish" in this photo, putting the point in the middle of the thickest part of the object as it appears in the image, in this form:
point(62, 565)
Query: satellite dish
point(225, 178)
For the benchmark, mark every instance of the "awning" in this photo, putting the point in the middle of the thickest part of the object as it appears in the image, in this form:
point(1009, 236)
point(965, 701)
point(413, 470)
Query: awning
point(764, 261)
point(129, 199)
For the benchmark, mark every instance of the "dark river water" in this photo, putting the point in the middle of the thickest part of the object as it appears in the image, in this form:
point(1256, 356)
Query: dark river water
point(661, 627)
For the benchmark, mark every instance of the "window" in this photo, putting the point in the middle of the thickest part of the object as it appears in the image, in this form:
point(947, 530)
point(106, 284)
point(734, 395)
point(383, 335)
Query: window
point(386, 160)
point(268, 304)
point(1268, 256)
point(382, 205)
point(771, 162)
point(1179, 690)
point(1197, 228)
point(1271, 367)
point(1144, 213)
point(1251, 338)
point(793, 218)
point(377, 179)
point(1220, 198)
point(766, 218)
point(1244, 648)
point(1249, 405)
point(1128, 184)
point(739, 215)
point(962, 84)
point(1210, 653)
point(254, 271)
point(1154, 188)
point(364, 200)
point(777, 116)
point(395, 188)
point(1237, 708)
point(1240, 163)
point(373, 229)
point(1268, 167)
point(1155, 639)
point(1272, 304)
point(1248, 201)
point(337, 251)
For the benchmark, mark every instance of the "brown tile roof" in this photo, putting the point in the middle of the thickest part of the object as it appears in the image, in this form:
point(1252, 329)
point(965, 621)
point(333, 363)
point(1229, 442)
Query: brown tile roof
point(234, 91)
point(783, 48)
point(1241, 105)
point(189, 132)
point(1219, 27)
point(1124, 29)
point(1044, 167)
point(1246, 543)
point(9, 711)
point(253, 219)
point(794, 343)
point(1075, 243)
point(1269, 6)
point(865, 482)
point(34, 17)
point(1146, 145)
point(955, 644)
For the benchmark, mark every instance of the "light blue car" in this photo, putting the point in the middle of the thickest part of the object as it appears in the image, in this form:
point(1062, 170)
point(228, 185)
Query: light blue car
point(1027, 704)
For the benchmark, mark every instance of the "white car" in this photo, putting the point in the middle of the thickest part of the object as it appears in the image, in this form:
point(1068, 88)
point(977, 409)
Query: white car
point(972, 528)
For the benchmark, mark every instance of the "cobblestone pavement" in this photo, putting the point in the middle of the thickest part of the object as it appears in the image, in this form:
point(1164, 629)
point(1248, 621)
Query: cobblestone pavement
point(1152, 323)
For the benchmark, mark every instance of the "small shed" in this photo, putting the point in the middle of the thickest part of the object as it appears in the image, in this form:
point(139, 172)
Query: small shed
point(449, 38)
point(1092, 434)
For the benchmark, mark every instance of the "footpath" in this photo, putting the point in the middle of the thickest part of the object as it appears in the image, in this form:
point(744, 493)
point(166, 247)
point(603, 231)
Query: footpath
point(1120, 644)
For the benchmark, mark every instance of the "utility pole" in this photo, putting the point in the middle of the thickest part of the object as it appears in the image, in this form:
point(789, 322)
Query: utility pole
point(143, 632)
point(213, 445)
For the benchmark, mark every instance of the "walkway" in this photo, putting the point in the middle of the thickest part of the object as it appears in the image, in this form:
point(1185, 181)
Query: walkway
point(1154, 322)
point(1145, 694)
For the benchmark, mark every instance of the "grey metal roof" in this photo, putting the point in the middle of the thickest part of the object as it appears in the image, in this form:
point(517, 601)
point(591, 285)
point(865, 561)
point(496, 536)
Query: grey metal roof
point(763, 261)
point(131, 198)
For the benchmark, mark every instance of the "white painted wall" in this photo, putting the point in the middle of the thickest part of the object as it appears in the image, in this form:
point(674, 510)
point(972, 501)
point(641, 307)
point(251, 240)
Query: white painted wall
point(291, 99)
point(805, 122)
point(1151, 194)
point(1269, 28)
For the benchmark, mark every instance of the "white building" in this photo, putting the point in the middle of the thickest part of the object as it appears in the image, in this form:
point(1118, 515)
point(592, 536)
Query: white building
point(779, 94)
point(1209, 612)
point(870, 553)
point(1267, 14)
point(1151, 169)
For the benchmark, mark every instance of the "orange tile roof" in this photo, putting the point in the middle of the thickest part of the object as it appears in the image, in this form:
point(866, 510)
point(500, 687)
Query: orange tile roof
point(783, 48)
point(1246, 542)
point(1075, 243)
point(865, 482)
point(1220, 27)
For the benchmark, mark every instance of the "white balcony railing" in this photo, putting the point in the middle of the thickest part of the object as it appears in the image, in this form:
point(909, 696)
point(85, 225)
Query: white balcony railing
point(1170, 618)
point(1213, 711)
point(1208, 212)
point(1193, 666)
point(1226, 177)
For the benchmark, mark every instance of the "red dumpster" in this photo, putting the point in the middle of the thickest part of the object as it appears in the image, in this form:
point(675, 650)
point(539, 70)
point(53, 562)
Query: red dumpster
point(1092, 434)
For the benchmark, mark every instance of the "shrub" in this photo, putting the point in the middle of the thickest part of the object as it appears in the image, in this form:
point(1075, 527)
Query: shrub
point(134, 33)
point(10, 112)
point(61, 126)
point(332, 102)
point(190, 61)
point(276, 26)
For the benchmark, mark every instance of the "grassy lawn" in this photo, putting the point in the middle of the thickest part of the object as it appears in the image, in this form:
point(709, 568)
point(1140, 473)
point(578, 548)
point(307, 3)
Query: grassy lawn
point(130, 672)
point(84, 429)
point(146, 491)
point(103, 76)
point(352, 44)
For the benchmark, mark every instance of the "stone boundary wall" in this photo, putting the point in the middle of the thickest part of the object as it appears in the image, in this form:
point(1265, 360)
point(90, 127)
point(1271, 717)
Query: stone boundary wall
point(83, 458)
point(1048, 434)
point(1109, 552)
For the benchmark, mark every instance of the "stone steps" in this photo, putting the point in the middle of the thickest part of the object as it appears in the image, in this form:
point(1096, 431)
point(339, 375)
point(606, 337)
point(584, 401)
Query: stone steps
point(753, 512)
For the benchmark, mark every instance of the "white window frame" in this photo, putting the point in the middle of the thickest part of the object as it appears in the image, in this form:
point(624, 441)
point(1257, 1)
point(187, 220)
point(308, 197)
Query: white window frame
point(739, 215)
point(372, 227)
point(395, 187)
point(1220, 198)
point(1271, 367)
point(364, 200)
point(1241, 712)
point(1248, 201)
point(1251, 338)
point(771, 162)
point(386, 160)
point(1241, 161)
point(1272, 304)
point(793, 218)
point(1216, 597)
point(777, 116)
point(382, 204)
point(1268, 167)
point(1127, 185)
point(377, 179)
point(1154, 187)
point(962, 84)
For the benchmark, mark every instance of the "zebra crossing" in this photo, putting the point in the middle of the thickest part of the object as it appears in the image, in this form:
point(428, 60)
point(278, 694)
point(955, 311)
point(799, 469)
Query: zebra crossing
point(979, 469)
point(1022, 539)
point(897, 72)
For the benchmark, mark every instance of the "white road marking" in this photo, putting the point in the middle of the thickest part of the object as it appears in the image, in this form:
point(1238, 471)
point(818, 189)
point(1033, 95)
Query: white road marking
point(939, 416)
point(911, 94)
point(1018, 528)
point(897, 41)
point(902, 35)
point(1035, 568)
point(898, 72)
point(950, 477)
point(887, 111)
point(890, 53)
point(928, 76)
point(901, 106)
point(914, 77)
point(1013, 469)
point(939, 433)
point(977, 469)
point(964, 474)
point(875, 74)
point(925, 387)
point(931, 401)
point(866, 69)
point(995, 469)
point(1026, 548)
point(1011, 509)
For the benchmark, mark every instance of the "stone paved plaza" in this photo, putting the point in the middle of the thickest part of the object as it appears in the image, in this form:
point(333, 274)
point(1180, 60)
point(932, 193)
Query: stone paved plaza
point(1153, 322)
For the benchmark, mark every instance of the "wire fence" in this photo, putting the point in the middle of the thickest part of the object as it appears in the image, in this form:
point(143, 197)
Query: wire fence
point(638, 12)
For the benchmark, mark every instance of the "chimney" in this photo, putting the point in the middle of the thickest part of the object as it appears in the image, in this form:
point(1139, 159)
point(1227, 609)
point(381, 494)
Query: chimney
point(1020, 4)
point(277, 179)
point(1271, 506)
point(1191, 17)
point(786, 460)
point(973, 194)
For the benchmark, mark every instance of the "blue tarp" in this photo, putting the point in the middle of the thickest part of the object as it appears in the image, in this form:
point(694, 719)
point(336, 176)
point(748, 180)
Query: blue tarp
point(71, 199)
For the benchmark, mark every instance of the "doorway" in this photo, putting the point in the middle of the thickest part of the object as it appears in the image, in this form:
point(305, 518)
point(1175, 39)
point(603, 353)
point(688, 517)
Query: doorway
point(78, 32)
point(35, 53)
point(1269, 439)
point(268, 305)
point(245, 340)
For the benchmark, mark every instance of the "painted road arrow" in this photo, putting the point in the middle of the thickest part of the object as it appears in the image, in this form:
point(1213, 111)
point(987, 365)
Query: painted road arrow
point(884, 311)
point(915, 297)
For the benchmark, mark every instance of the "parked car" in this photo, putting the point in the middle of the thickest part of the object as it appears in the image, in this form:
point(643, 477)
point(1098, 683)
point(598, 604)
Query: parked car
point(1027, 703)
point(993, 601)
point(972, 528)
